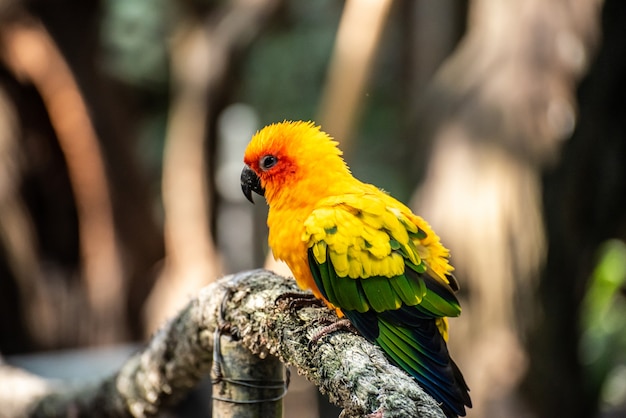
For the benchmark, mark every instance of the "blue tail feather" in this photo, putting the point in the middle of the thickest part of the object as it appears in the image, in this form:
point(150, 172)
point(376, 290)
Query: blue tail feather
point(419, 349)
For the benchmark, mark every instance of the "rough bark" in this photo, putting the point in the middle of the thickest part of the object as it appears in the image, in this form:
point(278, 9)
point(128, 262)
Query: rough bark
point(354, 373)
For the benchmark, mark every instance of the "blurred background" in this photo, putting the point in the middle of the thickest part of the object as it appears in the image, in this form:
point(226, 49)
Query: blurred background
point(502, 123)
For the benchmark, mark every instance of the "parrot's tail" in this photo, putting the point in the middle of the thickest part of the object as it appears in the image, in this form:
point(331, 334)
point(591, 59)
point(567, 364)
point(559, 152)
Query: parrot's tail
point(420, 350)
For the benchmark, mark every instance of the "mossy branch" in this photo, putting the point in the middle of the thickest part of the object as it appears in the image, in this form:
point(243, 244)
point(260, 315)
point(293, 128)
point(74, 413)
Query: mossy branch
point(354, 373)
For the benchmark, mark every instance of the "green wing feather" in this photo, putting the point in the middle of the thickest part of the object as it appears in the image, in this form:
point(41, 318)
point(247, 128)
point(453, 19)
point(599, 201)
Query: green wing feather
point(380, 293)
point(411, 292)
point(365, 260)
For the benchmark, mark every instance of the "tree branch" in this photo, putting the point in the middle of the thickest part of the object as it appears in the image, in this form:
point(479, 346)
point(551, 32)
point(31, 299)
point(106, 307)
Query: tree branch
point(354, 373)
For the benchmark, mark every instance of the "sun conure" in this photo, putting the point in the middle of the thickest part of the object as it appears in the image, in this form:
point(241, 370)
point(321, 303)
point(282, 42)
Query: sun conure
point(361, 251)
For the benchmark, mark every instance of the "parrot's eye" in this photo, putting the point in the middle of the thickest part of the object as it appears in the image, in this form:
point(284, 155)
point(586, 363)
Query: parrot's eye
point(267, 161)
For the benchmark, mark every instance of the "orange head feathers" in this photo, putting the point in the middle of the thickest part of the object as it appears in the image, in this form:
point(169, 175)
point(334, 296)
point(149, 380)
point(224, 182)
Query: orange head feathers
point(294, 156)
point(361, 251)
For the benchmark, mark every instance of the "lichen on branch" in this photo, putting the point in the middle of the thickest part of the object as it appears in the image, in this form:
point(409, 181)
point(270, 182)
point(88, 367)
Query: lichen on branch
point(354, 373)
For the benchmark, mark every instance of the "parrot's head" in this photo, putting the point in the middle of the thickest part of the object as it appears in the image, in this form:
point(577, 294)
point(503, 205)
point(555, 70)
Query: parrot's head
point(288, 160)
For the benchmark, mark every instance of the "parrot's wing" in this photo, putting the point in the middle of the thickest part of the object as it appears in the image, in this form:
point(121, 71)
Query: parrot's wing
point(366, 255)
point(365, 259)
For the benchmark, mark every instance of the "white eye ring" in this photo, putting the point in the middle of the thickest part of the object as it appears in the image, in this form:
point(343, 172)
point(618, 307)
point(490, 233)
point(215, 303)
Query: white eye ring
point(267, 161)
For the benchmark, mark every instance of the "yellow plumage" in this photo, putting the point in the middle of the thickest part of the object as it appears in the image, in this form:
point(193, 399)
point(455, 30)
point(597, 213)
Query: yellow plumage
point(360, 250)
point(306, 208)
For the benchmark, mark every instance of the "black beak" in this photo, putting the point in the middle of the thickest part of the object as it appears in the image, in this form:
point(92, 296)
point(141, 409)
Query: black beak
point(250, 182)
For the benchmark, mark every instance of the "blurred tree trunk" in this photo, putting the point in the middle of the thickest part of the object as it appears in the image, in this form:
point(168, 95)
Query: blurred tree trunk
point(585, 205)
point(17, 234)
point(358, 37)
point(114, 108)
point(432, 31)
point(495, 114)
point(203, 55)
point(71, 104)
point(32, 55)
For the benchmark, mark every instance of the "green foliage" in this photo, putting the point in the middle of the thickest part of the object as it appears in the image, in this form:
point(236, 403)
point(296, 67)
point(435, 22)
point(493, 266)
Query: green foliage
point(284, 72)
point(133, 37)
point(283, 75)
point(603, 321)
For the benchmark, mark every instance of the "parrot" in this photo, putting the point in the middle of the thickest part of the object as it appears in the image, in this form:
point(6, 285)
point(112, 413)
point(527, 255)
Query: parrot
point(360, 251)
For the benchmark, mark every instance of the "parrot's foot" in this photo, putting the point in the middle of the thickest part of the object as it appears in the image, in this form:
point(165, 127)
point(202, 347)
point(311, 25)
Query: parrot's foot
point(340, 324)
point(299, 300)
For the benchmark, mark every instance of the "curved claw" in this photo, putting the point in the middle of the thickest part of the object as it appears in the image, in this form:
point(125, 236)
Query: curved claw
point(298, 300)
point(340, 324)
